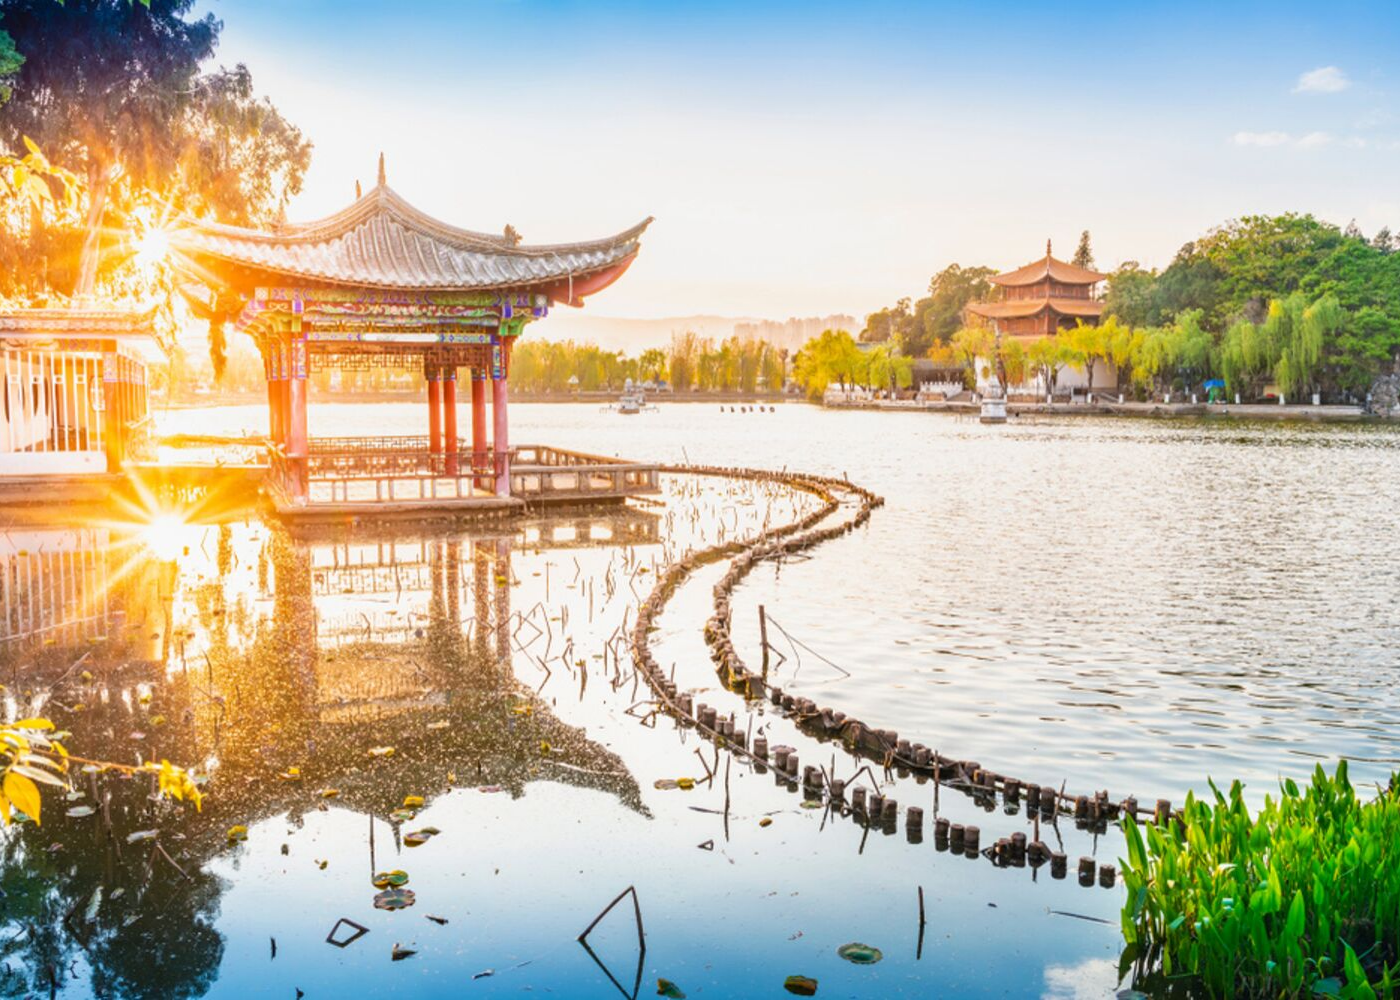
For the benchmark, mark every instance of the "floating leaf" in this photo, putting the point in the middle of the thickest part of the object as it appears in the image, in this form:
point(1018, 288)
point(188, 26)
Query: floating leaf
point(329, 793)
point(803, 986)
point(399, 954)
point(442, 724)
point(237, 833)
point(766, 821)
point(437, 920)
point(685, 784)
point(666, 988)
point(489, 788)
point(140, 835)
point(860, 954)
point(394, 899)
point(420, 837)
point(665, 784)
point(387, 880)
point(381, 751)
point(78, 812)
point(402, 815)
point(94, 904)
point(413, 801)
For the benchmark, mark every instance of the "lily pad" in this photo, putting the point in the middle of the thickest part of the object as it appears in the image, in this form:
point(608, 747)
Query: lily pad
point(803, 986)
point(860, 954)
point(394, 899)
point(394, 879)
point(420, 837)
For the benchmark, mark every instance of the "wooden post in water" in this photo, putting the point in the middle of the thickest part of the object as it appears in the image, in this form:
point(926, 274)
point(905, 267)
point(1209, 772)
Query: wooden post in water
point(763, 638)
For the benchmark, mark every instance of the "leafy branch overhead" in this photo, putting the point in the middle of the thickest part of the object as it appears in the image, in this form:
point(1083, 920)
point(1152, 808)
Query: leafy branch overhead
point(32, 754)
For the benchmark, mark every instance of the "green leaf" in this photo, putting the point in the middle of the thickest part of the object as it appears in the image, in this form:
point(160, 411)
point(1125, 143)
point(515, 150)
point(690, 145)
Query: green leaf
point(1297, 915)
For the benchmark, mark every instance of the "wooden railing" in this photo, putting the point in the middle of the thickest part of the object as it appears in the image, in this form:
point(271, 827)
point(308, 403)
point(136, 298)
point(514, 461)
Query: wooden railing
point(368, 470)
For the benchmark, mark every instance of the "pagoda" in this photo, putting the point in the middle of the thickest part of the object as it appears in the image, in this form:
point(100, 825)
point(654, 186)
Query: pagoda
point(1041, 298)
point(382, 284)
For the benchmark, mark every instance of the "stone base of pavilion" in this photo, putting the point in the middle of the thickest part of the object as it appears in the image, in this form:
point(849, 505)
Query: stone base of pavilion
point(386, 478)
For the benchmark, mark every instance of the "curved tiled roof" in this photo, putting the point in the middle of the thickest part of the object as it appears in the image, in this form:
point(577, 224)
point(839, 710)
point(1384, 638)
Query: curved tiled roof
point(1029, 307)
point(1048, 267)
point(381, 241)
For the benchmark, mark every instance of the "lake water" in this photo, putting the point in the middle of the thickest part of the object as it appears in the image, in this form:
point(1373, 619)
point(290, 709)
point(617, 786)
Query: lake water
point(1120, 604)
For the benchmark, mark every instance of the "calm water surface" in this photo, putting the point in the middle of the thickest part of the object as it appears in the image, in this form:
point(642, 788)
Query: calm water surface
point(1130, 604)
point(1119, 604)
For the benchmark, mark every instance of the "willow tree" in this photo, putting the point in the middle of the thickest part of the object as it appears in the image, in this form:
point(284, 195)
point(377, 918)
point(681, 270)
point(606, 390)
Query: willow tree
point(1300, 330)
point(1088, 344)
point(886, 368)
point(1047, 356)
point(969, 344)
point(831, 357)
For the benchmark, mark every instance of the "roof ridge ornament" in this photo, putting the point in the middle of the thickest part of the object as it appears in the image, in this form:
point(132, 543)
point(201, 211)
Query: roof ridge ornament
point(382, 182)
point(511, 235)
point(358, 195)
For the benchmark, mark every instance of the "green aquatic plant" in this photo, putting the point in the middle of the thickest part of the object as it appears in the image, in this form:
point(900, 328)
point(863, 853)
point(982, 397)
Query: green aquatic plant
point(1300, 899)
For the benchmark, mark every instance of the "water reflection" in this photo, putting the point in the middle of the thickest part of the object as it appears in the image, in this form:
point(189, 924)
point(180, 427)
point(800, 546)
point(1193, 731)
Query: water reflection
point(303, 673)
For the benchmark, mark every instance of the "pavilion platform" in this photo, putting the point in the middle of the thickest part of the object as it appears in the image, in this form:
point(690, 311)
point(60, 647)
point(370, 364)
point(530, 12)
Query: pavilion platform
point(394, 478)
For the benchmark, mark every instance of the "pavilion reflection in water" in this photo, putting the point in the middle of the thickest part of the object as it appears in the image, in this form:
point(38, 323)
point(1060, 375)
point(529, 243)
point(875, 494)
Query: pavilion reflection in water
point(251, 652)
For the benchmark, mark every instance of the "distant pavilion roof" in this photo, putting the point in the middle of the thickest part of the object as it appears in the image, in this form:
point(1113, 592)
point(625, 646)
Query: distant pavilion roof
point(1017, 308)
point(1049, 267)
point(383, 242)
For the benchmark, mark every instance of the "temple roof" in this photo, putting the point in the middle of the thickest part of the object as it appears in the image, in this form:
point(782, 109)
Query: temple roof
point(1049, 267)
point(1029, 307)
point(381, 241)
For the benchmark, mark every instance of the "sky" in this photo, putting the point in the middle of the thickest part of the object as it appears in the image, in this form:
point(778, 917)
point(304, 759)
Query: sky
point(803, 159)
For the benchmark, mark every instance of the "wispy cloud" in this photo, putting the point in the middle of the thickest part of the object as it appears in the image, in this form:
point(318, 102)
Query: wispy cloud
point(1262, 138)
point(1313, 140)
point(1323, 80)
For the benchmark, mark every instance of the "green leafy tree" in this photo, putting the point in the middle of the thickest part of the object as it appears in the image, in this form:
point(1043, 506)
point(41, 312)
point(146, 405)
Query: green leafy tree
point(1131, 295)
point(832, 357)
point(969, 344)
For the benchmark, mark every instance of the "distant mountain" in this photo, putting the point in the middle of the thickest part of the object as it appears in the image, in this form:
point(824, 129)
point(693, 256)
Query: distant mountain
point(635, 335)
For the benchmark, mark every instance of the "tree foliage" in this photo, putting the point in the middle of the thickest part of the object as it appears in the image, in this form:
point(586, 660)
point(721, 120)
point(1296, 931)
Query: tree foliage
point(1230, 277)
point(915, 329)
point(113, 91)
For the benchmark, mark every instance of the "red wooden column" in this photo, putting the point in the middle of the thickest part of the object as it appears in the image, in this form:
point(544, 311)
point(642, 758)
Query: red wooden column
point(111, 426)
point(449, 419)
point(298, 441)
point(479, 445)
point(500, 402)
point(434, 377)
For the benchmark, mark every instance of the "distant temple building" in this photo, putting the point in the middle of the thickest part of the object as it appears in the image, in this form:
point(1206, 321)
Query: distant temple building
point(1044, 296)
point(1041, 299)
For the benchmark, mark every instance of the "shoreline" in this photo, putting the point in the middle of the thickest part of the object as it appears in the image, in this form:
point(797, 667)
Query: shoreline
point(1218, 411)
